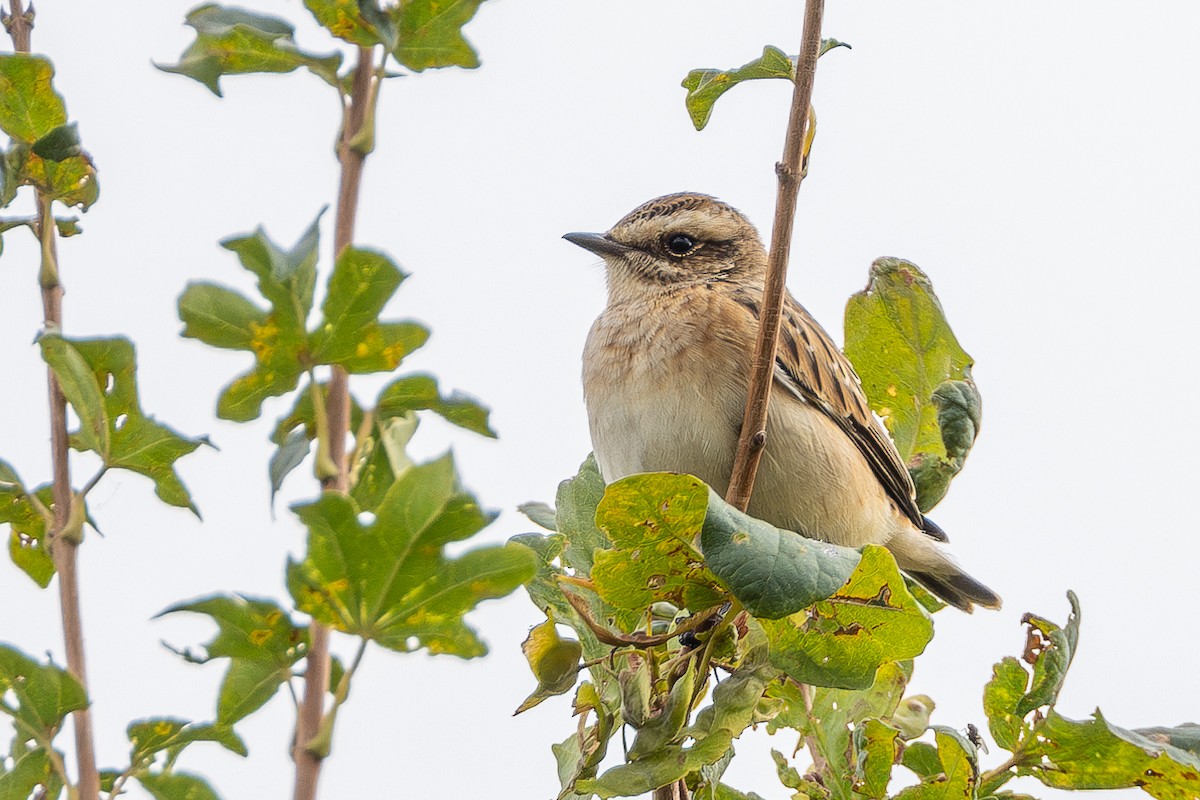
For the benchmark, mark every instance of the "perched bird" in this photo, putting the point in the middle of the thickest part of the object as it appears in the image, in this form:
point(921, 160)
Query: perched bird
point(665, 375)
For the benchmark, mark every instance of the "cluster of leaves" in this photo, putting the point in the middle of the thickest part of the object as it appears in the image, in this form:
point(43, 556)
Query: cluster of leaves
point(418, 34)
point(663, 582)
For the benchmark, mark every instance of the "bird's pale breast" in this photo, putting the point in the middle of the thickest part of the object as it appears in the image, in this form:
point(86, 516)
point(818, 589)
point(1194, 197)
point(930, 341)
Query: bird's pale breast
point(665, 384)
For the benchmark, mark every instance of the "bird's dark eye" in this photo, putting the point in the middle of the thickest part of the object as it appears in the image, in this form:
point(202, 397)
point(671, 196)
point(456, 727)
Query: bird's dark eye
point(680, 244)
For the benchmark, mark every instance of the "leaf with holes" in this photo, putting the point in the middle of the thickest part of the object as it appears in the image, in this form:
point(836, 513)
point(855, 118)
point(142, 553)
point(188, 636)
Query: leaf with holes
point(842, 641)
point(915, 374)
point(44, 694)
point(652, 520)
point(29, 516)
point(230, 41)
point(389, 580)
point(262, 643)
point(99, 379)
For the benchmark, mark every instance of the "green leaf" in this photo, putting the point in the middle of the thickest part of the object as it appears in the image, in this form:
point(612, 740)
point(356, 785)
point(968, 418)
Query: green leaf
point(176, 786)
point(958, 775)
point(652, 520)
point(262, 643)
point(383, 459)
point(576, 502)
point(922, 758)
point(44, 695)
point(553, 659)
point(912, 715)
point(389, 580)
point(152, 736)
point(916, 376)
point(59, 144)
point(732, 711)
point(230, 41)
point(1052, 648)
point(1001, 697)
point(29, 518)
point(29, 106)
point(875, 745)
point(361, 284)
point(430, 34)
point(277, 338)
point(383, 346)
point(774, 573)
point(359, 22)
point(1185, 737)
point(31, 770)
point(1099, 755)
point(286, 458)
point(667, 726)
point(420, 393)
point(706, 85)
point(99, 379)
point(540, 514)
point(842, 641)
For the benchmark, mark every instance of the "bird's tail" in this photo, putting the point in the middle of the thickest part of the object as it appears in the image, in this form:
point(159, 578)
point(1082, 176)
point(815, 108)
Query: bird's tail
point(929, 565)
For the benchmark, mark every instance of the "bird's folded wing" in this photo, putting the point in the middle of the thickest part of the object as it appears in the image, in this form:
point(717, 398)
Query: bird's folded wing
point(810, 366)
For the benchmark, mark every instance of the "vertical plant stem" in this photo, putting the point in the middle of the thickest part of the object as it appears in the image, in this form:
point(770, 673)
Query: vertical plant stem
point(64, 549)
point(352, 152)
point(753, 437)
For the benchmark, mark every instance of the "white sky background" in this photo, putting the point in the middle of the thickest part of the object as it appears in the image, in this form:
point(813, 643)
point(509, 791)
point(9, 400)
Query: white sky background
point(1037, 160)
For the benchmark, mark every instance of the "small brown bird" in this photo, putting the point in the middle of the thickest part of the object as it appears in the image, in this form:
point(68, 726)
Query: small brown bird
point(665, 375)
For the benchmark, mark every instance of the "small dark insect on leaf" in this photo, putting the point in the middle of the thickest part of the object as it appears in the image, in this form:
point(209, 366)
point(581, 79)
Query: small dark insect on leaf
point(975, 738)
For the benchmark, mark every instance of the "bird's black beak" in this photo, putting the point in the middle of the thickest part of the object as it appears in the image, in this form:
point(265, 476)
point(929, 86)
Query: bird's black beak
point(597, 243)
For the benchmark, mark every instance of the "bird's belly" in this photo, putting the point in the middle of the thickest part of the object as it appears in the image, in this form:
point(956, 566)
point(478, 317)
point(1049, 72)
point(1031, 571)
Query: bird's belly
point(812, 479)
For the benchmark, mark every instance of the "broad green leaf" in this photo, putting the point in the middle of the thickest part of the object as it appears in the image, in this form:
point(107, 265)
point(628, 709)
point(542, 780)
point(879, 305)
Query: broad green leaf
point(383, 457)
point(652, 520)
point(842, 641)
point(59, 144)
point(176, 786)
point(389, 580)
point(875, 744)
point(705, 86)
point(152, 736)
point(540, 514)
point(430, 34)
point(553, 660)
point(71, 182)
point(44, 694)
point(420, 393)
point(361, 284)
point(383, 346)
point(230, 41)
point(576, 503)
point(959, 772)
point(277, 338)
point(220, 317)
point(286, 458)
point(1096, 754)
point(916, 376)
point(32, 769)
point(359, 22)
point(99, 380)
point(1001, 697)
point(29, 106)
point(922, 758)
point(773, 572)
point(262, 643)
point(28, 516)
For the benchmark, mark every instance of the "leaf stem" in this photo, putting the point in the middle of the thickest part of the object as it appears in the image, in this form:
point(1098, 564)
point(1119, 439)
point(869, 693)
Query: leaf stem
point(64, 549)
point(753, 437)
point(337, 410)
point(91, 484)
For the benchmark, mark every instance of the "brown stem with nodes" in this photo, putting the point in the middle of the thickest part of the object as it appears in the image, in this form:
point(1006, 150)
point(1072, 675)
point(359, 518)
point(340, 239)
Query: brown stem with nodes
point(64, 544)
point(753, 438)
point(352, 149)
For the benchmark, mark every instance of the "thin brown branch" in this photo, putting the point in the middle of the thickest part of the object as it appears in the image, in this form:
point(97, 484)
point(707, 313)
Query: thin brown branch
point(352, 152)
point(64, 549)
point(753, 438)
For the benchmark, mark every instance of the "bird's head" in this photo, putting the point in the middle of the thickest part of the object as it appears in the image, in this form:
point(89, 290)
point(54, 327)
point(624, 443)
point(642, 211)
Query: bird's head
point(679, 239)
